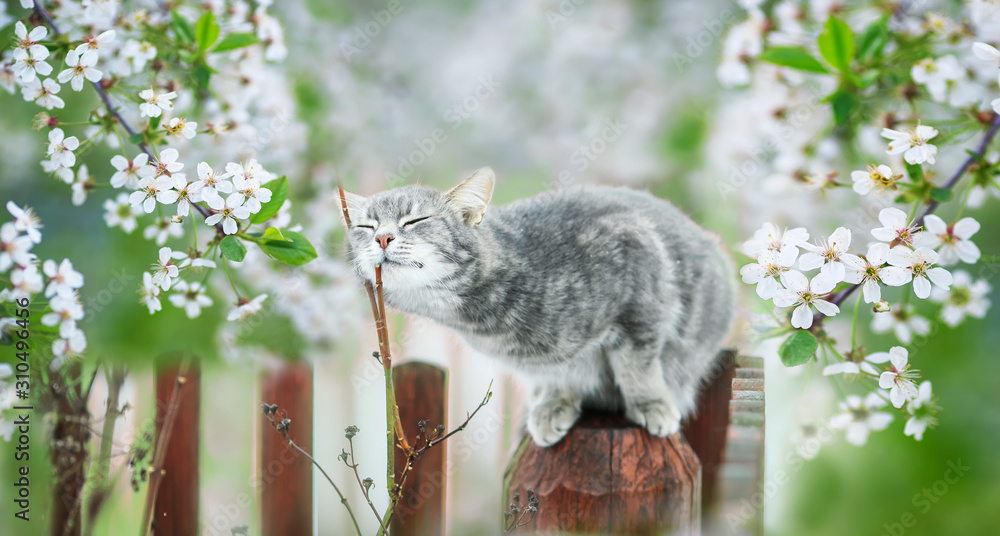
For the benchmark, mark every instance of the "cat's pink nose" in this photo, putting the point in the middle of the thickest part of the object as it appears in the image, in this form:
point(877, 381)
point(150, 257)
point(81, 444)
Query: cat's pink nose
point(383, 240)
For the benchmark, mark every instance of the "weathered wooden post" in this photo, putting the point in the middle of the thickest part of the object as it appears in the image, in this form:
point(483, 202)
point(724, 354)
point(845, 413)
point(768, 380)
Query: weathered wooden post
point(422, 395)
point(285, 477)
point(609, 476)
point(174, 481)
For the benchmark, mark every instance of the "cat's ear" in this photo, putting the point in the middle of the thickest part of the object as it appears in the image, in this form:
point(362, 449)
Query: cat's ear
point(472, 195)
point(354, 202)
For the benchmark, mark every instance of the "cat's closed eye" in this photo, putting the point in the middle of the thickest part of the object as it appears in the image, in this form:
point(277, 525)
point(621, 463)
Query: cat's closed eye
point(365, 226)
point(413, 221)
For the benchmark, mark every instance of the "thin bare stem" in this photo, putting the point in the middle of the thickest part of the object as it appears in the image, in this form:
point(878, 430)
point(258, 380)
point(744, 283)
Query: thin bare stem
point(354, 467)
point(160, 452)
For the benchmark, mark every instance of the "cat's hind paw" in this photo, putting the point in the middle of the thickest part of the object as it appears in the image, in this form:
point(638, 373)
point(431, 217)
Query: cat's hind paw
point(659, 417)
point(551, 420)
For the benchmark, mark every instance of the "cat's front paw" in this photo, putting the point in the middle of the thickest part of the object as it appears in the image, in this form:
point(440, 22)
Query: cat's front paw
point(659, 417)
point(551, 420)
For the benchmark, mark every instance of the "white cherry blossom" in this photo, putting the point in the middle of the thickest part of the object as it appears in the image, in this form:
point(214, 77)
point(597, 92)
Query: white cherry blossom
point(149, 293)
point(764, 273)
point(861, 417)
point(164, 271)
point(826, 255)
point(913, 145)
point(63, 279)
point(245, 308)
point(989, 55)
point(212, 184)
point(61, 148)
point(903, 321)
point(92, 45)
point(922, 412)
point(191, 297)
point(877, 178)
point(964, 298)
point(181, 128)
point(66, 312)
point(129, 171)
point(871, 271)
point(952, 240)
point(149, 191)
point(15, 248)
point(120, 213)
point(80, 68)
point(937, 74)
point(785, 244)
point(43, 93)
point(74, 343)
point(899, 378)
point(229, 213)
point(156, 103)
point(804, 294)
point(162, 230)
point(25, 221)
point(25, 281)
point(897, 228)
point(920, 264)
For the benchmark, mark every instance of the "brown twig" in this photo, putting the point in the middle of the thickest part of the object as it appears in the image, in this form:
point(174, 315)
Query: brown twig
point(364, 490)
point(160, 451)
point(270, 412)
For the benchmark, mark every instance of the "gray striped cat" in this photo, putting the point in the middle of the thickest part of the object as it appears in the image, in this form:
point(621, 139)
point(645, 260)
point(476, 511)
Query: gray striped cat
point(603, 298)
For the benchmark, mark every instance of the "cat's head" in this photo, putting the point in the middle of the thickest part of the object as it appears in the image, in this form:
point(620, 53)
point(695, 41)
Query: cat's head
point(420, 236)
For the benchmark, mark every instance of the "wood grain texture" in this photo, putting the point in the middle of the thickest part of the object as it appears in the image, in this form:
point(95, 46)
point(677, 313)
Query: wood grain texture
point(422, 394)
point(611, 477)
point(286, 477)
point(176, 507)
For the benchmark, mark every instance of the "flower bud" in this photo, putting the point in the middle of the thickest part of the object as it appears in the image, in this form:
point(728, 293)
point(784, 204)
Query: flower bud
point(882, 307)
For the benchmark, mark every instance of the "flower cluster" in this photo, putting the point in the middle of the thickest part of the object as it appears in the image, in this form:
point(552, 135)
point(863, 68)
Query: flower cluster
point(57, 283)
point(864, 86)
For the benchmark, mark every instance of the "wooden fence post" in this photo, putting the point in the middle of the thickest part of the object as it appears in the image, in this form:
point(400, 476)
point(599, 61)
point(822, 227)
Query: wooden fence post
point(422, 395)
point(175, 482)
point(706, 430)
point(285, 477)
point(68, 453)
point(741, 495)
point(609, 476)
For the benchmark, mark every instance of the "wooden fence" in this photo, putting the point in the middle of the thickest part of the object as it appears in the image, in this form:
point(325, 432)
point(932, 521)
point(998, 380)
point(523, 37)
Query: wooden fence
point(606, 476)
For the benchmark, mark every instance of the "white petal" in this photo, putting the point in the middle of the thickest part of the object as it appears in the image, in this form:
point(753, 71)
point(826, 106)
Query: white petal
point(751, 273)
point(921, 287)
point(877, 254)
point(966, 227)
point(892, 217)
point(896, 396)
point(810, 261)
point(826, 307)
point(940, 277)
point(878, 357)
point(887, 380)
point(935, 224)
point(802, 317)
point(879, 421)
point(834, 271)
point(967, 251)
point(795, 281)
point(784, 297)
point(898, 356)
point(915, 427)
point(871, 291)
point(893, 276)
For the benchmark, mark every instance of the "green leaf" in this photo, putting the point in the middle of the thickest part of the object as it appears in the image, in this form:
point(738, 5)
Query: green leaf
point(871, 42)
point(234, 41)
point(232, 248)
point(202, 73)
point(915, 172)
point(836, 43)
point(793, 57)
point(842, 103)
point(297, 251)
point(798, 348)
point(206, 30)
point(941, 195)
point(137, 138)
point(273, 233)
point(279, 193)
point(182, 28)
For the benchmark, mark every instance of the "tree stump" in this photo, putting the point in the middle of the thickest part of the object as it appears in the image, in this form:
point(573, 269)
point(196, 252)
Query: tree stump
point(608, 476)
